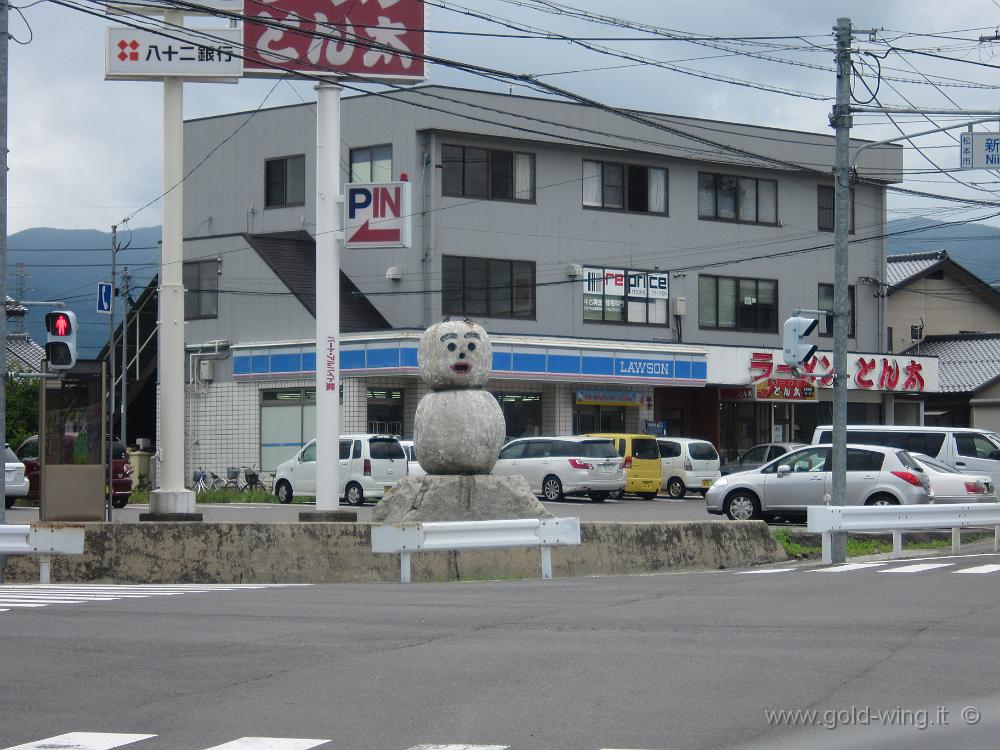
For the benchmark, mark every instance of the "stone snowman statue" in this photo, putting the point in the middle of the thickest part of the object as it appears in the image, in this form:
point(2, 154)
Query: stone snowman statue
point(458, 433)
point(459, 427)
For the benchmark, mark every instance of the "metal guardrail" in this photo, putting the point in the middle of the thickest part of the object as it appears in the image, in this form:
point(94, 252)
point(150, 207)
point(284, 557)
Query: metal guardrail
point(407, 538)
point(828, 519)
point(42, 540)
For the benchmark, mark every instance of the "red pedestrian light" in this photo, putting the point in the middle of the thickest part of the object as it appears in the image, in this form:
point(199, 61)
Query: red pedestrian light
point(60, 347)
point(60, 325)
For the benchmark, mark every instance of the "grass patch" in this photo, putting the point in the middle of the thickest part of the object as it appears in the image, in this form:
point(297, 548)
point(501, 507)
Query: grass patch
point(225, 495)
point(864, 547)
point(794, 549)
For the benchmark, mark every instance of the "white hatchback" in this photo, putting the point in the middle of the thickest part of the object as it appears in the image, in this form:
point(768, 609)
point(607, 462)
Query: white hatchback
point(413, 467)
point(558, 466)
point(688, 465)
point(15, 481)
point(369, 466)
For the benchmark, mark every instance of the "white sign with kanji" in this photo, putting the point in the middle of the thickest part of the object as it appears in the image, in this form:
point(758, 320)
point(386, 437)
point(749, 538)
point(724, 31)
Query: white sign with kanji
point(191, 54)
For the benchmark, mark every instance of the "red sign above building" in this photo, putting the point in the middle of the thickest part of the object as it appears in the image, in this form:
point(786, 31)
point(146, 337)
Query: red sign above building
point(369, 39)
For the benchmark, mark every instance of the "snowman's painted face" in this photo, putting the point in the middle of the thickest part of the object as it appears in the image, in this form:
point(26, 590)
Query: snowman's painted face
point(455, 354)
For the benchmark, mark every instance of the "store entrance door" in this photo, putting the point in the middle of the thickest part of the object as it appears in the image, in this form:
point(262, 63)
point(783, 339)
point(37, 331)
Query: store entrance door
point(590, 419)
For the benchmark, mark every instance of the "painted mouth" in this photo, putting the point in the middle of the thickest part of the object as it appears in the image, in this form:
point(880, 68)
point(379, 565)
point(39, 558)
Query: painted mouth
point(462, 368)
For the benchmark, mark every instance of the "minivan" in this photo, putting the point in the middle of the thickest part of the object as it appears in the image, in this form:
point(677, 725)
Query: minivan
point(642, 462)
point(966, 449)
point(688, 465)
point(369, 466)
point(559, 466)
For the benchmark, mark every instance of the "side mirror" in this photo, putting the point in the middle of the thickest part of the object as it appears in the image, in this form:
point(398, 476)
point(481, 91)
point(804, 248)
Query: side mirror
point(784, 469)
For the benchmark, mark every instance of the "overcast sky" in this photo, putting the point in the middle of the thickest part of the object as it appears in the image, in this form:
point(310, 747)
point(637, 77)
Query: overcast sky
point(85, 152)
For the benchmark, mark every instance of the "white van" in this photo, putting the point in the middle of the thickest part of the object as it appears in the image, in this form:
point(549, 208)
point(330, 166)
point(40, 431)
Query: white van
point(966, 449)
point(369, 466)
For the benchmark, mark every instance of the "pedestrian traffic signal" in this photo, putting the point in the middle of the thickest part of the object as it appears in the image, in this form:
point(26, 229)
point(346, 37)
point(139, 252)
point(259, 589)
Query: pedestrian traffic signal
point(795, 350)
point(60, 345)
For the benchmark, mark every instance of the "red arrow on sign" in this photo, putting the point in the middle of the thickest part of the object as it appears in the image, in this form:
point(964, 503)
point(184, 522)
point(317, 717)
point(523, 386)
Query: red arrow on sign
point(367, 234)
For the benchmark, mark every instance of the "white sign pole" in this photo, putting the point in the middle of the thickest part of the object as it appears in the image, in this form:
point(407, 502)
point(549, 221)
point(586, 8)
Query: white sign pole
point(328, 245)
point(172, 501)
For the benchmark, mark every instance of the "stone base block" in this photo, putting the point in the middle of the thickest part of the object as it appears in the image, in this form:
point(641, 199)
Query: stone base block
point(438, 497)
point(328, 516)
point(171, 517)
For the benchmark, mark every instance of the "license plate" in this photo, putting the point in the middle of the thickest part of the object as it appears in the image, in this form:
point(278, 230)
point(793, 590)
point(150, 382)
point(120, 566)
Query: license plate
point(607, 468)
point(706, 482)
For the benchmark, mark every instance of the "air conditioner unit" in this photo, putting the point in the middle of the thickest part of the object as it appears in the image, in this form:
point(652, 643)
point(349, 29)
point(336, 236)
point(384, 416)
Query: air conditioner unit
point(680, 306)
point(206, 370)
point(394, 273)
point(574, 270)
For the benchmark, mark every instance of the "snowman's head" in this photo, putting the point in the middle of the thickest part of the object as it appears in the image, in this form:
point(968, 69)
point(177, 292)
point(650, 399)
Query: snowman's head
point(455, 354)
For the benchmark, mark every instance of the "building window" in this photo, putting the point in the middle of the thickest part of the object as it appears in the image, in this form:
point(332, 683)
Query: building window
point(726, 197)
point(285, 182)
point(825, 209)
point(287, 422)
point(627, 187)
point(729, 303)
point(470, 172)
point(201, 289)
point(487, 287)
point(825, 302)
point(371, 164)
point(385, 411)
point(625, 296)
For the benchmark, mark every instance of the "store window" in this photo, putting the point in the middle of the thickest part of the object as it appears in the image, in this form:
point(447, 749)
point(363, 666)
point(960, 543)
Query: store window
point(826, 211)
point(201, 289)
point(725, 302)
point(487, 287)
point(825, 302)
point(371, 164)
point(727, 197)
point(385, 411)
point(470, 172)
point(522, 412)
point(589, 419)
point(624, 187)
point(625, 296)
point(287, 422)
point(285, 182)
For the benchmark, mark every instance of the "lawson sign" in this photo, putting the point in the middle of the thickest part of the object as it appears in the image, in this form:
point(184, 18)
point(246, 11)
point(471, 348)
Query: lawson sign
point(377, 215)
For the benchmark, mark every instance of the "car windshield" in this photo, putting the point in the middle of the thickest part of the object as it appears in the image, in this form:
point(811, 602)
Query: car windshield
point(645, 448)
point(386, 448)
point(934, 464)
point(597, 449)
point(703, 452)
point(908, 461)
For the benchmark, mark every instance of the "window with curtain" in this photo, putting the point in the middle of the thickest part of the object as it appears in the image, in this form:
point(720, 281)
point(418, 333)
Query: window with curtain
point(729, 303)
point(472, 172)
point(285, 181)
point(748, 200)
point(624, 187)
point(371, 164)
point(825, 302)
point(487, 287)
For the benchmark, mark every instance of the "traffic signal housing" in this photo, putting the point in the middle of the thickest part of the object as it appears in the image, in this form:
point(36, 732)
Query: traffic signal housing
point(60, 345)
point(795, 350)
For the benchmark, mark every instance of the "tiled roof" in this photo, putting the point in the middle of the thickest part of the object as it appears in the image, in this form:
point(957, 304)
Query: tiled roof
point(901, 268)
point(23, 354)
point(966, 361)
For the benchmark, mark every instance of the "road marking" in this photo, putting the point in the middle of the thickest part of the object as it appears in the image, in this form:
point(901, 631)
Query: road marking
point(460, 747)
point(919, 568)
point(980, 569)
point(759, 572)
point(83, 741)
point(270, 743)
point(847, 567)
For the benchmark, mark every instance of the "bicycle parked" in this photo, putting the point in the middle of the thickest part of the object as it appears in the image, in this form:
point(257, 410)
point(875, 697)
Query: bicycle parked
point(251, 479)
point(202, 482)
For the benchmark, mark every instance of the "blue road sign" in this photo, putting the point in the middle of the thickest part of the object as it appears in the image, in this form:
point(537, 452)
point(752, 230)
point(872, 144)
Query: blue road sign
point(104, 297)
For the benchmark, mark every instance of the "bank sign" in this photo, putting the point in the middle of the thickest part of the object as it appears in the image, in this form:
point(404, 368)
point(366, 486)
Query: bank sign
point(377, 215)
point(211, 55)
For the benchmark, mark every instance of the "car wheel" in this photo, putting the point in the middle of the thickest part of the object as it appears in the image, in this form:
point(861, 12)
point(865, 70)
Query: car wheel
point(354, 494)
point(284, 492)
point(742, 506)
point(882, 500)
point(648, 495)
point(676, 488)
point(8, 502)
point(119, 502)
point(552, 488)
point(598, 497)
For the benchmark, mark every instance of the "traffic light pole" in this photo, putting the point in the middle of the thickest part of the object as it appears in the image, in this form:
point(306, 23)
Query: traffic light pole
point(108, 447)
point(3, 240)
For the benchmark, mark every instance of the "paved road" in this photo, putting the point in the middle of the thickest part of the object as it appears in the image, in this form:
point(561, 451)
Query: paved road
point(666, 662)
point(662, 509)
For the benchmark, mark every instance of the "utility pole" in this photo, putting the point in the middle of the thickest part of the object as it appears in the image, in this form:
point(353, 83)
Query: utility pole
point(22, 291)
point(841, 121)
point(108, 444)
point(126, 282)
point(4, 40)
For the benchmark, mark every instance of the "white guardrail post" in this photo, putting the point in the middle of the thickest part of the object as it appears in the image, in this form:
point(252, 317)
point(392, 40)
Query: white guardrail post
point(827, 519)
point(41, 540)
point(407, 538)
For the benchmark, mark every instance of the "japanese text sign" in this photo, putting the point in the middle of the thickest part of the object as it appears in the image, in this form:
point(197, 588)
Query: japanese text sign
point(131, 54)
point(979, 150)
point(370, 39)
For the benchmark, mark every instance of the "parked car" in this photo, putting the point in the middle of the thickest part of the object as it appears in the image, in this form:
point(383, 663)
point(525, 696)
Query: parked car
point(788, 485)
point(369, 466)
point(558, 466)
point(758, 456)
point(687, 465)
point(641, 461)
point(952, 486)
point(121, 470)
point(413, 468)
point(15, 481)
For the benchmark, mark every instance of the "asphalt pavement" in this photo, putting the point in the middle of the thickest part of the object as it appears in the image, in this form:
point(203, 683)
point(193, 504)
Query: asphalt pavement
point(663, 662)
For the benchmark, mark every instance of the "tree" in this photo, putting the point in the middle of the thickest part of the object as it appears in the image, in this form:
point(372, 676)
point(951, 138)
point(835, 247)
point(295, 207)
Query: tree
point(22, 409)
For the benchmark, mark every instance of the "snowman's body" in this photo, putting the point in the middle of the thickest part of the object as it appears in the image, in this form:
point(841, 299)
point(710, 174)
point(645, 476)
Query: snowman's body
point(459, 427)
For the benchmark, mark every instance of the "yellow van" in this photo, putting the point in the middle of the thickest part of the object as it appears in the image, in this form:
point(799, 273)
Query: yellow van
point(642, 462)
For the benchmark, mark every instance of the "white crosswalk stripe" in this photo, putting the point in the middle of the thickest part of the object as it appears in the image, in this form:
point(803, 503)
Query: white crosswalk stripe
point(83, 741)
point(918, 568)
point(980, 569)
point(29, 596)
point(269, 743)
point(460, 747)
point(765, 570)
point(932, 565)
point(847, 567)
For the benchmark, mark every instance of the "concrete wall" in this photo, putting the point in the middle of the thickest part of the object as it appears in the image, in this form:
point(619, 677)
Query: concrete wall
point(341, 552)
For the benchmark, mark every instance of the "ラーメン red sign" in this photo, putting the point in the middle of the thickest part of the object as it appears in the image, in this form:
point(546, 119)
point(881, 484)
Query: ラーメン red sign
point(370, 39)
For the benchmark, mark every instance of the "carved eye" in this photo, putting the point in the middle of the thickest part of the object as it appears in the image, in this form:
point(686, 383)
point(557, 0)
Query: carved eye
point(451, 347)
point(472, 346)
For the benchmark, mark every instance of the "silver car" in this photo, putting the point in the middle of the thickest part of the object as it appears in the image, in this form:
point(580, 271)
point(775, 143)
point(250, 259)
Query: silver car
point(558, 466)
point(788, 485)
